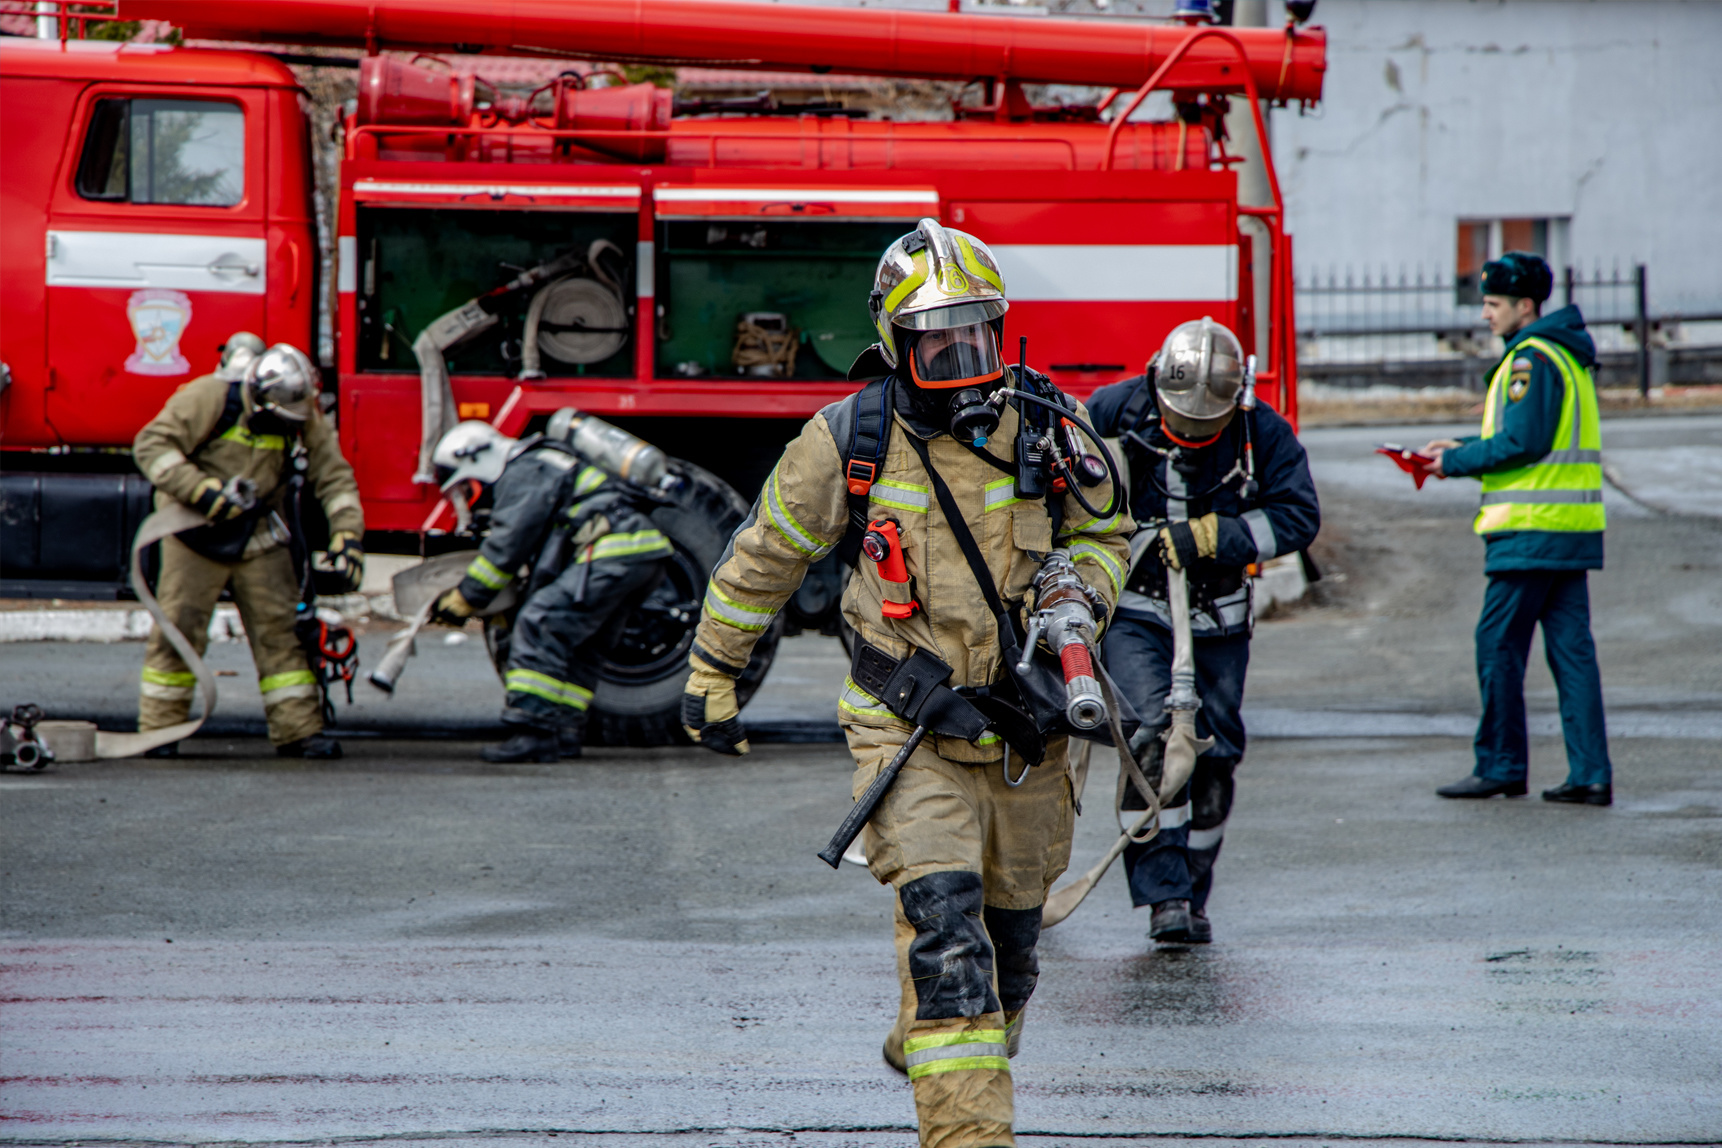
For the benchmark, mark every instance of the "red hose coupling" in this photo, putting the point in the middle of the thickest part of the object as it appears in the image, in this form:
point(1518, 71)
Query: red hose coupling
point(1076, 662)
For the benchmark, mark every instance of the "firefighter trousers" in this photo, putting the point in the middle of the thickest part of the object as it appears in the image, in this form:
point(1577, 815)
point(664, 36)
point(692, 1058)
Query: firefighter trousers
point(560, 634)
point(971, 860)
point(267, 594)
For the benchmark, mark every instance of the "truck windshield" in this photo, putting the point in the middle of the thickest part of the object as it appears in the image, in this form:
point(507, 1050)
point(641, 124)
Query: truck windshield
point(189, 152)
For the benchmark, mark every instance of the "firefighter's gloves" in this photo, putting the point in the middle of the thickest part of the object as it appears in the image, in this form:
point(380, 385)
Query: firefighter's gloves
point(709, 711)
point(215, 501)
point(452, 609)
point(1182, 543)
point(347, 560)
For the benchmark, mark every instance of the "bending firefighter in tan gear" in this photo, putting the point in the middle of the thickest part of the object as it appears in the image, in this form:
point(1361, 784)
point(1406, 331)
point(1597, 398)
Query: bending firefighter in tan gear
point(226, 444)
point(970, 850)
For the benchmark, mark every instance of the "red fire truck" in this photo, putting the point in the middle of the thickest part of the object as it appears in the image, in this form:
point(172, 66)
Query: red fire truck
point(159, 198)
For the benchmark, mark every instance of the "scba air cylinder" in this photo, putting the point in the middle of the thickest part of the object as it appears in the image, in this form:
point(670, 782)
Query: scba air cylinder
point(610, 448)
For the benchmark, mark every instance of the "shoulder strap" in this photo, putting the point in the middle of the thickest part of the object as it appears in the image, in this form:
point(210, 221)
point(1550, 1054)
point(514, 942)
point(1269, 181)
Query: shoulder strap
point(1135, 409)
point(230, 412)
point(863, 457)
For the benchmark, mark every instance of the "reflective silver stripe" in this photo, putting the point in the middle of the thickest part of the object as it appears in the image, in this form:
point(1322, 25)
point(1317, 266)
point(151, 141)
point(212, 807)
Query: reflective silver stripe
point(1563, 457)
point(791, 531)
point(1262, 531)
point(1541, 497)
point(1001, 493)
point(901, 495)
point(166, 461)
point(1171, 818)
point(167, 693)
point(589, 479)
point(1176, 507)
point(726, 609)
point(955, 1052)
point(1234, 610)
point(1208, 838)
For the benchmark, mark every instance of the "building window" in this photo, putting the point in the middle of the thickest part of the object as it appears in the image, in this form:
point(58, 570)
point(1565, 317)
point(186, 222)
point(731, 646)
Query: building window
point(189, 152)
point(1481, 240)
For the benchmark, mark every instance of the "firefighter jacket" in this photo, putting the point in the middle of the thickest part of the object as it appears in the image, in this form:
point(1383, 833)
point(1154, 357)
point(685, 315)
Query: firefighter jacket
point(1281, 517)
point(1540, 454)
point(551, 507)
point(803, 512)
point(186, 443)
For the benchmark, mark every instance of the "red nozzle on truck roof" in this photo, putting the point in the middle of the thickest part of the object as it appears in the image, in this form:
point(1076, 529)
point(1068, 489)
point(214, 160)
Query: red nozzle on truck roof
point(1287, 64)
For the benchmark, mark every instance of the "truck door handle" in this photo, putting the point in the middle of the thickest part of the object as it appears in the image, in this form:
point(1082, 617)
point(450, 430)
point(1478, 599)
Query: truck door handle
point(231, 267)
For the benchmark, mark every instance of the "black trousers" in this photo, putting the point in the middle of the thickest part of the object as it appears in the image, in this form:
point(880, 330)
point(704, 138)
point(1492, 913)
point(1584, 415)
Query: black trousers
point(1178, 864)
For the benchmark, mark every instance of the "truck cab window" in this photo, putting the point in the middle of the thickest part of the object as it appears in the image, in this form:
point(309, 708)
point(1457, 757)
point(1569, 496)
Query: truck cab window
point(189, 152)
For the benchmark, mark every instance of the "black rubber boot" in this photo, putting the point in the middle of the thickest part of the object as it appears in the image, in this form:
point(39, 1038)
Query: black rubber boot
point(1483, 787)
point(1170, 923)
point(314, 748)
point(1570, 794)
point(529, 744)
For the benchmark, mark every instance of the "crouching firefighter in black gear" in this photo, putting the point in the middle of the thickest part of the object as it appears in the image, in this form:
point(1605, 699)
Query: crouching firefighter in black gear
point(1217, 484)
point(581, 542)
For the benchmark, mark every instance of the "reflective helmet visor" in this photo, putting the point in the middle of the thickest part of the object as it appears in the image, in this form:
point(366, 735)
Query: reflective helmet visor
point(956, 357)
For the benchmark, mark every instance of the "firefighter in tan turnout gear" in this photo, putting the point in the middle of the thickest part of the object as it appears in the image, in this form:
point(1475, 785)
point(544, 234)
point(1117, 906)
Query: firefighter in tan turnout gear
point(919, 472)
point(226, 444)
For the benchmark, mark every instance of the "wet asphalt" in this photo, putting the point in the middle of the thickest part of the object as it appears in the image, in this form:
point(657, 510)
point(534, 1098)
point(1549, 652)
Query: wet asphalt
point(640, 948)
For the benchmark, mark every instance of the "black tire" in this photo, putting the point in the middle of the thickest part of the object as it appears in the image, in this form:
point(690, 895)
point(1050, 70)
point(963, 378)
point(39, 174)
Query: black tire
point(639, 694)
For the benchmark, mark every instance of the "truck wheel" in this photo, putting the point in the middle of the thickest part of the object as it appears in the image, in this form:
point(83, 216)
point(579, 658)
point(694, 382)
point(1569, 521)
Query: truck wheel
point(639, 694)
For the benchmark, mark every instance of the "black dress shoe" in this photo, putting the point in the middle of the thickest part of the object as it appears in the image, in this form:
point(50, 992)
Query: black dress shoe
point(1201, 929)
point(530, 744)
point(314, 748)
point(1571, 794)
point(1483, 787)
point(1170, 923)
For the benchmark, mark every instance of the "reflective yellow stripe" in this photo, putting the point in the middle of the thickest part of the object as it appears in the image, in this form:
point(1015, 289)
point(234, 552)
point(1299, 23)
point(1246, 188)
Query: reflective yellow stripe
point(1094, 526)
point(626, 545)
point(483, 570)
point(975, 265)
point(281, 681)
point(857, 701)
point(165, 461)
point(164, 678)
point(1001, 493)
point(793, 532)
point(902, 290)
point(727, 610)
point(544, 686)
point(902, 495)
point(589, 479)
point(243, 437)
point(983, 1049)
point(1103, 558)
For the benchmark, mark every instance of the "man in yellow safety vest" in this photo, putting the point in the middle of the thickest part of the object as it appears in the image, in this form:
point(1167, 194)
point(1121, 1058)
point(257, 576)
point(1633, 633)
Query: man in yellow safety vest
point(1541, 518)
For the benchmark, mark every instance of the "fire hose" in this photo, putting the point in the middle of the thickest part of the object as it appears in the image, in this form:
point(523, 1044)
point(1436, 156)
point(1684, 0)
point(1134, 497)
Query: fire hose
point(1182, 749)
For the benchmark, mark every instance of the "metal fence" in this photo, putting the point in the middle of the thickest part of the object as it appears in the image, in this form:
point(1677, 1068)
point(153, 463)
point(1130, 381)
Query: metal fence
point(1352, 318)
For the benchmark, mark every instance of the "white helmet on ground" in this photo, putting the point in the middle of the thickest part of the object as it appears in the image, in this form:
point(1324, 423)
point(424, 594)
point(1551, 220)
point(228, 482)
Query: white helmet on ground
point(472, 450)
point(1198, 375)
point(282, 381)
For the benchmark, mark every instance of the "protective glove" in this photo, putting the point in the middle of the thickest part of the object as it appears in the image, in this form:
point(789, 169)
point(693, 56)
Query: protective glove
point(212, 501)
point(347, 559)
point(1183, 542)
point(452, 609)
point(709, 711)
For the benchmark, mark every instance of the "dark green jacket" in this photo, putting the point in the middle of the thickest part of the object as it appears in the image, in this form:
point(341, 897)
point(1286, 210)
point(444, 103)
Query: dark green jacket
point(1528, 433)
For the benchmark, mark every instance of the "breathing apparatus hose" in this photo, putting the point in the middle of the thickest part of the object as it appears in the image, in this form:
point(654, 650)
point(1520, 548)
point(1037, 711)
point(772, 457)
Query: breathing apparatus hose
point(1070, 482)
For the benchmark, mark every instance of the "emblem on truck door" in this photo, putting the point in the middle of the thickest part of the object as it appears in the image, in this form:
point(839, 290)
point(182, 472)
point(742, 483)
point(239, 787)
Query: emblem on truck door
point(158, 317)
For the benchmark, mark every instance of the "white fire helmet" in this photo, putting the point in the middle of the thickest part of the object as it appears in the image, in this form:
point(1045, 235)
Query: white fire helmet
point(1198, 375)
point(283, 381)
point(237, 354)
point(937, 278)
point(472, 450)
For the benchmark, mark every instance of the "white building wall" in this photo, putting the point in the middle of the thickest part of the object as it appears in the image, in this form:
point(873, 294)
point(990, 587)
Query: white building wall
point(1605, 111)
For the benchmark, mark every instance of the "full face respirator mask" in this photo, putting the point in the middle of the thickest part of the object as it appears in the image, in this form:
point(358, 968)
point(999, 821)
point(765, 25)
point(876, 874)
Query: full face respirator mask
point(951, 371)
